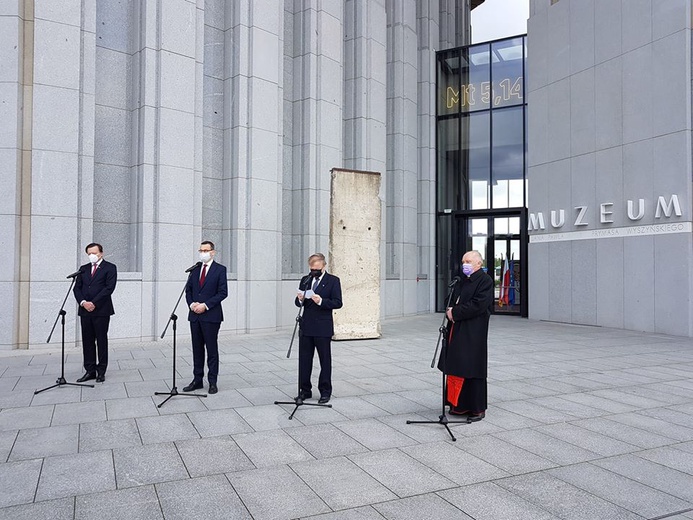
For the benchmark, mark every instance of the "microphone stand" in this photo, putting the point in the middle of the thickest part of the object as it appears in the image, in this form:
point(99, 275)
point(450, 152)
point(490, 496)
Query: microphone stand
point(173, 318)
point(61, 315)
point(442, 418)
point(298, 401)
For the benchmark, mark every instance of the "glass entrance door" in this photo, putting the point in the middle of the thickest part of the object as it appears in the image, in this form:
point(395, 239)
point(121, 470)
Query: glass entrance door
point(499, 239)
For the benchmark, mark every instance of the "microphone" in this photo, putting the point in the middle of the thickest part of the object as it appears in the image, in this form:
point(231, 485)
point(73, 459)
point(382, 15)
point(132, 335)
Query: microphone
point(305, 280)
point(198, 264)
point(454, 281)
point(74, 274)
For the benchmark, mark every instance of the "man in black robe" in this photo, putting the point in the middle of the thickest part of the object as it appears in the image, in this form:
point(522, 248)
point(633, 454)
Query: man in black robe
point(465, 356)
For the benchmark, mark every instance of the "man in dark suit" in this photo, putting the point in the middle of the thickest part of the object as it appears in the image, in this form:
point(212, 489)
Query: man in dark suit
point(93, 288)
point(204, 292)
point(319, 293)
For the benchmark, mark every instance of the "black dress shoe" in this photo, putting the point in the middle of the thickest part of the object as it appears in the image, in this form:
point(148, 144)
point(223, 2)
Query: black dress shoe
point(213, 389)
point(100, 378)
point(194, 385)
point(303, 396)
point(87, 377)
point(474, 417)
point(324, 399)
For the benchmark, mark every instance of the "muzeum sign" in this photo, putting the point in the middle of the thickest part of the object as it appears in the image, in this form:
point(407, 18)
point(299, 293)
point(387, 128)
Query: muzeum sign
point(667, 212)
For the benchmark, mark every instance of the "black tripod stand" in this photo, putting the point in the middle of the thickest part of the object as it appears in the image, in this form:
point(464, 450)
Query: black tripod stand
point(173, 318)
point(298, 401)
point(61, 314)
point(443, 418)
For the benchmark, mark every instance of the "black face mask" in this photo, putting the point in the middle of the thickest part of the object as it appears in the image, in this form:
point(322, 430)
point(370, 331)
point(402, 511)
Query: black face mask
point(315, 273)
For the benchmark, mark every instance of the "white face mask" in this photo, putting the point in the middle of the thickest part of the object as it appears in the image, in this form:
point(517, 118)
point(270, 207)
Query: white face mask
point(93, 258)
point(205, 257)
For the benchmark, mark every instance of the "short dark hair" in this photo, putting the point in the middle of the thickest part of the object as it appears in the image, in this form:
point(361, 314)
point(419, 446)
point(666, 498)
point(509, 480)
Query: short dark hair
point(93, 244)
point(207, 243)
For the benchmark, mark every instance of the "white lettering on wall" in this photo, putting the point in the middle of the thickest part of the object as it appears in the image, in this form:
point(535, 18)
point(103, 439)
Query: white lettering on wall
point(641, 209)
point(536, 221)
point(604, 212)
point(581, 215)
point(561, 218)
point(673, 202)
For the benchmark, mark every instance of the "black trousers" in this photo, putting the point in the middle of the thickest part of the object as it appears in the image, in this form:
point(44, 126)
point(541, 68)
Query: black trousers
point(307, 345)
point(95, 341)
point(205, 334)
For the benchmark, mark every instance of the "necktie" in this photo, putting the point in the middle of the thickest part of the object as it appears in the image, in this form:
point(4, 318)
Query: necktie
point(315, 284)
point(202, 276)
point(93, 270)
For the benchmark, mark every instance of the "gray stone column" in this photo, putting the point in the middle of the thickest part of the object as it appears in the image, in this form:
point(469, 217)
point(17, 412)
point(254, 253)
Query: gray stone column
point(401, 180)
point(365, 78)
point(254, 142)
point(168, 162)
point(428, 31)
point(62, 130)
point(16, 91)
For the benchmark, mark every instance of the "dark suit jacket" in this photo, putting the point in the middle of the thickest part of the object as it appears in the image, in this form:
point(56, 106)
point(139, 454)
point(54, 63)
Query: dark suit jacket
point(97, 290)
point(212, 292)
point(317, 319)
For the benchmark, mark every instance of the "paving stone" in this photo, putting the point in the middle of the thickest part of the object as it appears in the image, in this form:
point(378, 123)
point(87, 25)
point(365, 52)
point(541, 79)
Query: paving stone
point(423, 506)
point(218, 422)
point(624, 433)
point(453, 463)
point(30, 417)
point(140, 503)
point(155, 430)
point(180, 404)
point(36, 443)
point(654, 425)
point(147, 388)
point(487, 501)
point(341, 484)
point(670, 457)
point(562, 499)
point(622, 491)
point(400, 473)
point(204, 497)
point(102, 391)
point(325, 441)
point(76, 413)
point(76, 474)
point(591, 441)
point(276, 493)
point(7, 439)
point(271, 448)
point(267, 417)
point(130, 408)
point(60, 509)
point(19, 480)
point(394, 403)
point(359, 513)
point(141, 465)
point(212, 456)
point(107, 435)
point(504, 455)
point(374, 434)
point(18, 399)
point(58, 395)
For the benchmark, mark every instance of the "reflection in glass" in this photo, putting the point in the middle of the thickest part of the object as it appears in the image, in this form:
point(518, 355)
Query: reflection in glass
point(475, 89)
point(476, 140)
point(508, 157)
point(448, 83)
point(507, 72)
point(449, 168)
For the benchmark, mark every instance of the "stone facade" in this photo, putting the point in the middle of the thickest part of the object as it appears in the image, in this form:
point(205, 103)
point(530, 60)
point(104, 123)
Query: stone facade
point(609, 98)
point(149, 126)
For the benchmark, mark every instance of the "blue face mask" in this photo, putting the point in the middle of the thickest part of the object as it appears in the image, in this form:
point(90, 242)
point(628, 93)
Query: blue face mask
point(467, 269)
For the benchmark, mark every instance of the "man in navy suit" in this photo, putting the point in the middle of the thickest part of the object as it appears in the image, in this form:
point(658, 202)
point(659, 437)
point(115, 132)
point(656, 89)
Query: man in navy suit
point(93, 288)
point(204, 292)
point(317, 327)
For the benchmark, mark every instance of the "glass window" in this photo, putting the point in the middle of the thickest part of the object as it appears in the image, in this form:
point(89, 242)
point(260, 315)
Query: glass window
point(507, 72)
point(508, 157)
point(448, 83)
point(449, 181)
point(475, 90)
point(475, 130)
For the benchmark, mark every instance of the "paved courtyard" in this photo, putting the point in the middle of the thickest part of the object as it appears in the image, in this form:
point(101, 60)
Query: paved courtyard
point(584, 423)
